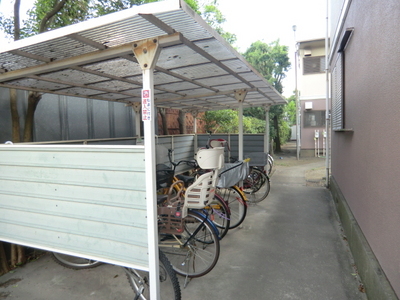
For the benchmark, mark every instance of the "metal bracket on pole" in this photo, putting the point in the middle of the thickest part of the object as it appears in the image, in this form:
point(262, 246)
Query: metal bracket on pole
point(240, 95)
point(146, 52)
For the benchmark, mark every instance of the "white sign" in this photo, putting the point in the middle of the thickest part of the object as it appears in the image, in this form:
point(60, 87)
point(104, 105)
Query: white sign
point(146, 105)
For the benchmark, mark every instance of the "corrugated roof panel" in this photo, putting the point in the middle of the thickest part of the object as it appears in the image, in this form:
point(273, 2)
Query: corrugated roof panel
point(58, 49)
point(216, 49)
point(114, 85)
point(237, 65)
point(162, 78)
point(11, 62)
point(74, 76)
point(33, 83)
point(220, 80)
point(82, 91)
point(117, 67)
point(200, 71)
point(178, 86)
point(185, 24)
point(179, 56)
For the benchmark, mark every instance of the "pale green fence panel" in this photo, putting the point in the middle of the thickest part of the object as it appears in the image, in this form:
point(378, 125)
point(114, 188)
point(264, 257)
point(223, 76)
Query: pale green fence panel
point(86, 201)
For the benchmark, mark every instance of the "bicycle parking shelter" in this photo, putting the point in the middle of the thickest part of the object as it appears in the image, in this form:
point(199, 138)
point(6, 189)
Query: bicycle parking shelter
point(91, 201)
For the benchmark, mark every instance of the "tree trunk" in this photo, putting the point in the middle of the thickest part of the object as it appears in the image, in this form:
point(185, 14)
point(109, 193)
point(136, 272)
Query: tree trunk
point(4, 268)
point(17, 28)
point(16, 136)
point(14, 255)
point(33, 101)
point(21, 255)
point(277, 137)
point(182, 123)
point(163, 113)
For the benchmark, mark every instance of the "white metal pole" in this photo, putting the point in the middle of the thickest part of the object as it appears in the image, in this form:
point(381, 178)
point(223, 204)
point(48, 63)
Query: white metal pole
point(240, 111)
point(147, 52)
point(266, 134)
point(298, 142)
point(240, 95)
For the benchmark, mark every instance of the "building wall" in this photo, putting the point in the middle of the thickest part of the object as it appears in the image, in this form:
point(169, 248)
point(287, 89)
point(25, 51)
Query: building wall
point(312, 90)
point(311, 85)
point(365, 161)
point(308, 133)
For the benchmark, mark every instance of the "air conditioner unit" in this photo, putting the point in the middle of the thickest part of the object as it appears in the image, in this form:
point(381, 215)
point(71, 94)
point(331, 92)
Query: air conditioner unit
point(307, 52)
point(308, 105)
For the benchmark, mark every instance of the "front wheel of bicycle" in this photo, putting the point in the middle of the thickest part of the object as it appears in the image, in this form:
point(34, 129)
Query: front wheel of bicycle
point(236, 201)
point(74, 262)
point(169, 284)
point(256, 186)
point(195, 251)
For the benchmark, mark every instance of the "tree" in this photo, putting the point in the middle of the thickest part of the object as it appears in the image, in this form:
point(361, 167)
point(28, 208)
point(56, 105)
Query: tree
point(271, 61)
point(227, 121)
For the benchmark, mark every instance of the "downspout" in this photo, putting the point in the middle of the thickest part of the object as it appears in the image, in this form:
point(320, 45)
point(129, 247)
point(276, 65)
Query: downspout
point(327, 114)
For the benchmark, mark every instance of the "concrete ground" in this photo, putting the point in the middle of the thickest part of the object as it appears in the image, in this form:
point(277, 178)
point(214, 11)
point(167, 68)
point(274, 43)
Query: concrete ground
point(290, 246)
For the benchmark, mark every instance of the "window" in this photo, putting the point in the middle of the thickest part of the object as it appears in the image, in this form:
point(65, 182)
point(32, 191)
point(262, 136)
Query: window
point(337, 94)
point(315, 118)
point(338, 99)
point(314, 64)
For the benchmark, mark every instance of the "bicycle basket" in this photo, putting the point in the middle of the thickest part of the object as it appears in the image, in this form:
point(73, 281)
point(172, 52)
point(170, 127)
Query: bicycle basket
point(170, 220)
point(232, 173)
point(164, 176)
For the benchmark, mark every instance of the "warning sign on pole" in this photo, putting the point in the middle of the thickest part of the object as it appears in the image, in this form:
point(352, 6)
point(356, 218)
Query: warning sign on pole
point(146, 105)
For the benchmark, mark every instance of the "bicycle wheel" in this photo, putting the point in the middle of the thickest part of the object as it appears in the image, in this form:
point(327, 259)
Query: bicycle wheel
point(74, 262)
point(256, 186)
point(237, 204)
point(169, 284)
point(191, 254)
point(218, 212)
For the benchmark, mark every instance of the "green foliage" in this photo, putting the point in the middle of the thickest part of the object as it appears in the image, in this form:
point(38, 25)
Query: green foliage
point(104, 7)
point(227, 121)
point(72, 12)
point(271, 60)
point(290, 110)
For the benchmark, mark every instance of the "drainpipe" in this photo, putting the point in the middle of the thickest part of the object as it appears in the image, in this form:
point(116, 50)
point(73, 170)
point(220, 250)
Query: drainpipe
point(327, 114)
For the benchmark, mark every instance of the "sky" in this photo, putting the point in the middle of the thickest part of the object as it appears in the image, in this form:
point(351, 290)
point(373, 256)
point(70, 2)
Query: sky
point(253, 20)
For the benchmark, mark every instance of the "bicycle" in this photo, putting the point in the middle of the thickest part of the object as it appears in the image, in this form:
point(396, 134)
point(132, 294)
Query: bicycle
point(187, 236)
point(169, 284)
point(217, 209)
point(256, 186)
point(74, 262)
point(138, 279)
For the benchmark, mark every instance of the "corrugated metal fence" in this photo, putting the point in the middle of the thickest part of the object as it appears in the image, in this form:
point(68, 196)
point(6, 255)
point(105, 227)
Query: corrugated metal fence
point(86, 201)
